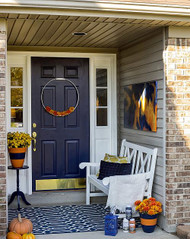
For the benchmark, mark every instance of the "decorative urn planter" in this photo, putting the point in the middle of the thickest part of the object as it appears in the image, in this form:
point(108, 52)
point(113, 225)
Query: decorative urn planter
point(149, 209)
point(148, 222)
point(17, 156)
point(17, 143)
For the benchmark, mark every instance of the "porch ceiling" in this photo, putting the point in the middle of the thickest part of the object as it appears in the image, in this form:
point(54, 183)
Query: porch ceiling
point(56, 31)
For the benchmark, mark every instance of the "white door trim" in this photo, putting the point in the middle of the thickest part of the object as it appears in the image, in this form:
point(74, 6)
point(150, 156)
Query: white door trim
point(93, 63)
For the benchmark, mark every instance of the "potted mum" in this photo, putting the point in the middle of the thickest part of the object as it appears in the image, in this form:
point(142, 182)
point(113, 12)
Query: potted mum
point(18, 143)
point(149, 209)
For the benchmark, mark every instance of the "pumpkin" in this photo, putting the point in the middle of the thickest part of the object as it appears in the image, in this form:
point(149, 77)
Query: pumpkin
point(28, 236)
point(13, 235)
point(20, 225)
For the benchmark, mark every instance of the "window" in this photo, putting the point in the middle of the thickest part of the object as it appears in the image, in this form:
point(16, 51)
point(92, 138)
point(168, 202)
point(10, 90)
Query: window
point(101, 97)
point(16, 96)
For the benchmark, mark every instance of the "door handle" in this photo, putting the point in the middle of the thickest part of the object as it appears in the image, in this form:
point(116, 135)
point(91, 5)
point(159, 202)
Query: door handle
point(34, 135)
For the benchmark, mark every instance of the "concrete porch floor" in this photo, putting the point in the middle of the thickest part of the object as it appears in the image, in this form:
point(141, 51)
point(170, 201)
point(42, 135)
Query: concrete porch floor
point(47, 198)
point(157, 234)
point(62, 197)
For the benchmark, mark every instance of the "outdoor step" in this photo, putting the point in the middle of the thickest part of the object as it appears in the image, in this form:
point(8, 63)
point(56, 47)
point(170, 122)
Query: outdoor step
point(183, 231)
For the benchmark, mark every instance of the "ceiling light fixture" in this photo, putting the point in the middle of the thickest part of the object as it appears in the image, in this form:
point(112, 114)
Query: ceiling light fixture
point(79, 33)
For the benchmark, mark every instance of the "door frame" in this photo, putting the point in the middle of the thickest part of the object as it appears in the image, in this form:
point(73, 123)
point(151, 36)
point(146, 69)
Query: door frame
point(96, 60)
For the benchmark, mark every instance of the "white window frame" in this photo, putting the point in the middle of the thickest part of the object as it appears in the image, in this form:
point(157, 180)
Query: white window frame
point(108, 102)
point(8, 98)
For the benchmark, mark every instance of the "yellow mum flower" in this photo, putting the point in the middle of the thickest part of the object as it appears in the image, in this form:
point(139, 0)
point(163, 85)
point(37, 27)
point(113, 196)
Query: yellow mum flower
point(18, 140)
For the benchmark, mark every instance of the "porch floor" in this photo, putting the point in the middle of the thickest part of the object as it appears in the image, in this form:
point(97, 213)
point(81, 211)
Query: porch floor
point(55, 198)
point(157, 234)
point(78, 197)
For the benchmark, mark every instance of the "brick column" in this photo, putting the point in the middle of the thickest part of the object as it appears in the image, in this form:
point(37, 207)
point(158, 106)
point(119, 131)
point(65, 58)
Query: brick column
point(177, 72)
point(3, 197)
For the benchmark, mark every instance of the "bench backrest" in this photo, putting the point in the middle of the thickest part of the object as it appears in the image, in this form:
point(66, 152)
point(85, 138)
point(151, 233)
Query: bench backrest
point(143, 160)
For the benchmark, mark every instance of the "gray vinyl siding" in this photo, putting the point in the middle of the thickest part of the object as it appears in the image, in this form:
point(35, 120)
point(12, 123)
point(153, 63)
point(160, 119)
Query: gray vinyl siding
point(143, 62)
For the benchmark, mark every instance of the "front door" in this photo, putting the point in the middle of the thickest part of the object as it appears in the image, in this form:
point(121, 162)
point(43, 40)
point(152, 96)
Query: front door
point(62, 142)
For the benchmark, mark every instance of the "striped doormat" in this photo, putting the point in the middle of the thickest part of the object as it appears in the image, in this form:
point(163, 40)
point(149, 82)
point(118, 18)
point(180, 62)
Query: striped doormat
point(64, 219)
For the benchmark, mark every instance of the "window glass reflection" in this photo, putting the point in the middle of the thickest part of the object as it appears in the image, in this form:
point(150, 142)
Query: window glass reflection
point(101, 77)
point(101, 117)
point(16, 76)
point(101, 99)
point(17, 118)
point(16, 97)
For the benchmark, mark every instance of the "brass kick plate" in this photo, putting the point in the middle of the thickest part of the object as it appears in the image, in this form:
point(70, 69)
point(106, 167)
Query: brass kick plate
point(64, 183)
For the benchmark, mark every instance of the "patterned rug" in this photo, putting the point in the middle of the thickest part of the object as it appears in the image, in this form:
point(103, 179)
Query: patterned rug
point(64, 219)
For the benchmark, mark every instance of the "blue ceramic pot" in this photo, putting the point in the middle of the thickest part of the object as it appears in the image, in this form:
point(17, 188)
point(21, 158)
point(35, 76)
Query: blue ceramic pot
point(148, 222)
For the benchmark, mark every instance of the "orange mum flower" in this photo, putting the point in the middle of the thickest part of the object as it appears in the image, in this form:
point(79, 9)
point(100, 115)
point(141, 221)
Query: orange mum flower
point(142, 204)
point(149, 206)
point(152, 203)
point(152, 199)
point(146, 201)
point(151, 212)
point(160, 210)
point(137, 208)
point(158, 204)
point(137, 202)
point(146, 208)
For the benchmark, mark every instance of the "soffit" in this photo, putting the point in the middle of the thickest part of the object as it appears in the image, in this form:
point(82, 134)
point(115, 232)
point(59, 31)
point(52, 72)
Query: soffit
point(56, 31)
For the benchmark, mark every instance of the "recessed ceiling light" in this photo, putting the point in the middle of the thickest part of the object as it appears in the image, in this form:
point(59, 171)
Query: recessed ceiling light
point(79, 33)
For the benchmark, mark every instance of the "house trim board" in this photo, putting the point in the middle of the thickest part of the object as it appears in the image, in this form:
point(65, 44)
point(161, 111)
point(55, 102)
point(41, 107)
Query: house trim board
point(107, 135)
point(98, 9)
point(100, 5)
point(164, 125)
point(63, 49)
point(179, 32)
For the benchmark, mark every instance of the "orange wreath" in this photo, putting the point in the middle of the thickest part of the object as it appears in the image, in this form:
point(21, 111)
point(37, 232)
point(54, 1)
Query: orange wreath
point(60, 113)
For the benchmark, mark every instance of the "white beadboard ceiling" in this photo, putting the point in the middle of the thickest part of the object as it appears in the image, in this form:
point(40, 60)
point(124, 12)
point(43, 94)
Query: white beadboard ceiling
point(56, 31)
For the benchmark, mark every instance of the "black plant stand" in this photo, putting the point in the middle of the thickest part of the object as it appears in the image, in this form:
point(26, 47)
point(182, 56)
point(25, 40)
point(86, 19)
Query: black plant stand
point(18, 193)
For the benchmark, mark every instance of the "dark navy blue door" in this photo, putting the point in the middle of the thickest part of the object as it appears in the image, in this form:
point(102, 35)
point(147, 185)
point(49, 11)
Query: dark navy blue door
point(62, 142)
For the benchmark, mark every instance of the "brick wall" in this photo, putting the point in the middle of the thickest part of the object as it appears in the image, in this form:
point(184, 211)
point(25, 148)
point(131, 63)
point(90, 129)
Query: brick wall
point(3, 198)
point(177, 71)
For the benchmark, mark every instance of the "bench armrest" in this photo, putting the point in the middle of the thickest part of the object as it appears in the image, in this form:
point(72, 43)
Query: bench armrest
point(106, 181)
point(86, 164)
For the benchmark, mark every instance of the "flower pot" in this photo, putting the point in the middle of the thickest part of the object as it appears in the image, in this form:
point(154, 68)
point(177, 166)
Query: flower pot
point(17, 156)
point(148, 222)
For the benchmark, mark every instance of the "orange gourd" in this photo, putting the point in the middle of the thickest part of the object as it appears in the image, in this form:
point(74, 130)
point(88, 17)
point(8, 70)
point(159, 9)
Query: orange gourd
point(13, 235)
point(28, 236)
point(20, 225)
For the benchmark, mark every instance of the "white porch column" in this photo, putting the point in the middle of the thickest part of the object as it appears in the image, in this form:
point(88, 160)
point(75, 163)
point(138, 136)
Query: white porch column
point(3, 163)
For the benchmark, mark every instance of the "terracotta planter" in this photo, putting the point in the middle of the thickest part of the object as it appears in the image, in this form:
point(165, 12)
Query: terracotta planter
point(148, 222)
point(17, 156)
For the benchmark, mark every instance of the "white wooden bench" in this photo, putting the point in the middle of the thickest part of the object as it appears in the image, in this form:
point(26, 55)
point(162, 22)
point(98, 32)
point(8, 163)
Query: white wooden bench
point(143, 160)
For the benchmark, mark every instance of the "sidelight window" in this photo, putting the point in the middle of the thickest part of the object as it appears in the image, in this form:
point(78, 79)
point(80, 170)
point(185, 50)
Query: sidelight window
point(101, 97)
point(16, 96)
